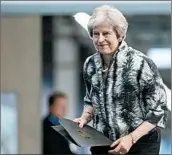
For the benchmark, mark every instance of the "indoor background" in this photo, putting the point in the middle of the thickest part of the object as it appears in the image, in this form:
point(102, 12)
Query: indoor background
point(43, 49)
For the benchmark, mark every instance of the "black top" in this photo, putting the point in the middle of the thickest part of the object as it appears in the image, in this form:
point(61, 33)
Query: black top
point(53, 142)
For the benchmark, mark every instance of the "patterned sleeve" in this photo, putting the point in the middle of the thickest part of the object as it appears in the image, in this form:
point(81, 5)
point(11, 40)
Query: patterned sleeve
point(153, 93)
point(87, 98)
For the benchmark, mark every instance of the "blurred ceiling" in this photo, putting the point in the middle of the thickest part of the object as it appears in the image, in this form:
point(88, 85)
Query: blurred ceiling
point(71, 7)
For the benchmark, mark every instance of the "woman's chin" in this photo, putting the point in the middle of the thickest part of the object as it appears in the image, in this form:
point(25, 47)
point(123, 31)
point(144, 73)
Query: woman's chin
point(106, 52)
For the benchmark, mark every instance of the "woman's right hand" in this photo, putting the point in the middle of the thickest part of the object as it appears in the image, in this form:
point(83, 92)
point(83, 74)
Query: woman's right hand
point(81, 121)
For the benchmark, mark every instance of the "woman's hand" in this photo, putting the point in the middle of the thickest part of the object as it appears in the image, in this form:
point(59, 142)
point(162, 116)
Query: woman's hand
point(122, 145)
point(81, 121)
point(86, 116)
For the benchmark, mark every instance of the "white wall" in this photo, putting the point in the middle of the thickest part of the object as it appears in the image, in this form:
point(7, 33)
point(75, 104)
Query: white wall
point(21, 73)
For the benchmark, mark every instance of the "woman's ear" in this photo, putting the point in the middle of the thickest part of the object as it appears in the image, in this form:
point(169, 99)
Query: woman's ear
point(120, 39)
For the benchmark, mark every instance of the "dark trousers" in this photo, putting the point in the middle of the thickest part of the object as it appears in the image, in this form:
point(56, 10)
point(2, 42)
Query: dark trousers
point(147, 145)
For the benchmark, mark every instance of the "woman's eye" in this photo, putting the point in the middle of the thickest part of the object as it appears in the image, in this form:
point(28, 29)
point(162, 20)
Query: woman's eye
point(96, 34)
point(106, 33)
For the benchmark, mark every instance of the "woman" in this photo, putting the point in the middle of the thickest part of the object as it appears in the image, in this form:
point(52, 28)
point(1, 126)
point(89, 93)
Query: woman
point(125, 96)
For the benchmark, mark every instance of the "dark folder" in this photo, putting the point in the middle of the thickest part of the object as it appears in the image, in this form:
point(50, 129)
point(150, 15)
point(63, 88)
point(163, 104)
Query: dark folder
point(85, 137)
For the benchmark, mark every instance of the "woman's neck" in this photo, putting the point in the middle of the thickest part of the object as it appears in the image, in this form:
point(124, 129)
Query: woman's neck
point(107, 59)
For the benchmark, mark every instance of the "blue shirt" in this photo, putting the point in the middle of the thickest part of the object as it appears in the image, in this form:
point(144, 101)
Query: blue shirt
point(54, 120)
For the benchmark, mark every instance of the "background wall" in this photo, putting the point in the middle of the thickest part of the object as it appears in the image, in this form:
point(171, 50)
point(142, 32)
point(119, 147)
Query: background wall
point(43, 49)
point(21, 75)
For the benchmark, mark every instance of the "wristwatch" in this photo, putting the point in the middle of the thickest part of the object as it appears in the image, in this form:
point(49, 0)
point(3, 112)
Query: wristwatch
point(133, 138)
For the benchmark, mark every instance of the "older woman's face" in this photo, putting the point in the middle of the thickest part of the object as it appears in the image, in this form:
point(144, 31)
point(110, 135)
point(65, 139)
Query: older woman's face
point(105, 39)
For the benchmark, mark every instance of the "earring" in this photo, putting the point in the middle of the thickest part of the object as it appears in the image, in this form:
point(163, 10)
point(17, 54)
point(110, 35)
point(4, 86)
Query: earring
point(119, 39)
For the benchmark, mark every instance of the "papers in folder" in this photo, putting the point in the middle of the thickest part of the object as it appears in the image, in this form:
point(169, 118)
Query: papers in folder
point(85, 137)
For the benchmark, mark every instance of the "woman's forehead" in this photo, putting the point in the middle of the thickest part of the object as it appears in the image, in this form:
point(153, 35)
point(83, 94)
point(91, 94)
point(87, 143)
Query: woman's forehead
point(103, 27)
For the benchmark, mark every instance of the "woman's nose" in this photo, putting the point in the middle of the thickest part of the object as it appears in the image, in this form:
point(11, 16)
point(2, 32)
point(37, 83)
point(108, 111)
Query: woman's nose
point(101, 38)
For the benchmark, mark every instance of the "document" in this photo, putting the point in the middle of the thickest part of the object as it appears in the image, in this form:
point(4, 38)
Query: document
point(85, 137)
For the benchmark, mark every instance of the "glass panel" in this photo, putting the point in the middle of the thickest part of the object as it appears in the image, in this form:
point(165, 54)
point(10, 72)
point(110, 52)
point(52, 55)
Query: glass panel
point(9, 123)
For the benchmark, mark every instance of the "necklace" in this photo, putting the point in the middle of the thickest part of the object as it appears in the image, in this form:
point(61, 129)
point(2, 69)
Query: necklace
point(104, 70)
point(106, 66)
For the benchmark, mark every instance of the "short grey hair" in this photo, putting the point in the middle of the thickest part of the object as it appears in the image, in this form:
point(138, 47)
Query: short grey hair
point(111, 16)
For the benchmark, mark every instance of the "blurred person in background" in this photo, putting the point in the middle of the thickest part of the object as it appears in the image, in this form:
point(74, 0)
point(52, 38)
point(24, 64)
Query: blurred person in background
point(53, 142)
point(125, 95)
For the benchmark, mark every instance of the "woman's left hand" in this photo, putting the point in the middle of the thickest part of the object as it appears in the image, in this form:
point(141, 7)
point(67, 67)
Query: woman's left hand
point(123, 145)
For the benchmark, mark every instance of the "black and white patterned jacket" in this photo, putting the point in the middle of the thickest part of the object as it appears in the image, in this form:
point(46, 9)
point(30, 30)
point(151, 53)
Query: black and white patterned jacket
point(132, 92)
